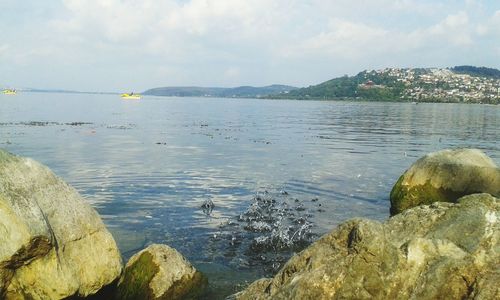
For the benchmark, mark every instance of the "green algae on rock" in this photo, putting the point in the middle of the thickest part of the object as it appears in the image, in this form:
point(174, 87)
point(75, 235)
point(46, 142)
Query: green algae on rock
point(53, 245)
point(445, 176)
point(159, 272)
point(134, 283)
point(437, 251)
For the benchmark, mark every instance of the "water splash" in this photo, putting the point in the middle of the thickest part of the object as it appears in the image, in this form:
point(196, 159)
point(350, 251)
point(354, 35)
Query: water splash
point(269, 231)
point(207, 207)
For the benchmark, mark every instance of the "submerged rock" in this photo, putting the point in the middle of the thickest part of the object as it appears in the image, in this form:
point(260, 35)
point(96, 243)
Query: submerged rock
point(445, 176)
point(159, 272)
point(441, 251)
point(52, 244)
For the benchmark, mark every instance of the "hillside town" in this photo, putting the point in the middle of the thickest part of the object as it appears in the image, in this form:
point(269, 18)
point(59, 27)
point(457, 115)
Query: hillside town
point(430, 84)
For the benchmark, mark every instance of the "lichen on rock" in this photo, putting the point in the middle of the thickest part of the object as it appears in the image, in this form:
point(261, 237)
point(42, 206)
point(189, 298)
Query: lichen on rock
point(53, 245)
point(159, 272)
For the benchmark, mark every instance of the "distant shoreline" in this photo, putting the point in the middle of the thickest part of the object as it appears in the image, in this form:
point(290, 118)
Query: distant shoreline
point(340, 99)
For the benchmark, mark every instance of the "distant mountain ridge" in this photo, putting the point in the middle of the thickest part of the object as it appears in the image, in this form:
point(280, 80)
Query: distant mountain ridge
point(468, 84)
point(236, 92)
point(459, 84)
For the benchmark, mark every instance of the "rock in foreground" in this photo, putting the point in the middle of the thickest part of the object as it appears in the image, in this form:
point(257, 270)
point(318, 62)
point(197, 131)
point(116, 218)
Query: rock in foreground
point(159, 272)
point(445, 176)
point(441, 251)
point(52, 244)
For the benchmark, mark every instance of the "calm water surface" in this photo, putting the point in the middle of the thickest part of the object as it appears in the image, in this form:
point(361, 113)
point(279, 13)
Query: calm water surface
point(147, 166)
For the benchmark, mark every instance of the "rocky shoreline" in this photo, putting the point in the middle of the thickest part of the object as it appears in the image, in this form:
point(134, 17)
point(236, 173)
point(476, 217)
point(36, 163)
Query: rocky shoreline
point(442, 241)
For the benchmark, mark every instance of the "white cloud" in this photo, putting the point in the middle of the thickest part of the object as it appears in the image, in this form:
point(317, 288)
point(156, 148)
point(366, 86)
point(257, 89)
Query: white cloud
point(221, 42)
point(494, 22)
point(353, 40)
point(110, 20)
point(232, 73)
point(455, 29)
point(168, 28)
point(482, 30)
point(119, 21)
point(3, 49)
point(342, 38)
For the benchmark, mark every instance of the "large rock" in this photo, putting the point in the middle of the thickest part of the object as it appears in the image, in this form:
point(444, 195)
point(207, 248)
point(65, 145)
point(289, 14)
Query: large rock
point(159, 272)
point(445, 176)
point(52, 244)
point(441, 251)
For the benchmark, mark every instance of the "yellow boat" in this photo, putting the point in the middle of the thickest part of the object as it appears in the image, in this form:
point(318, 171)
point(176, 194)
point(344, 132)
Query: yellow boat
point(9, 92)
point(131, 96)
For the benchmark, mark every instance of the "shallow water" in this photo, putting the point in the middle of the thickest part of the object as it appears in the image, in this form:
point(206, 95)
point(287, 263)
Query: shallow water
point(147, 166)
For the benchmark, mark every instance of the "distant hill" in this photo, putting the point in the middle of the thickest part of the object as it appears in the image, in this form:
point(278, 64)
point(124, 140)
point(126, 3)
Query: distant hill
point(467, 84)
point(237, 92)
point(477, 71)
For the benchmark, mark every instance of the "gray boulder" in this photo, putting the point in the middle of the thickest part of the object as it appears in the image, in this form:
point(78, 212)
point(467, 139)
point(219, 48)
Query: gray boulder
point(52, 244)
point(445, 176)
point(159, 272)
point(437, 251)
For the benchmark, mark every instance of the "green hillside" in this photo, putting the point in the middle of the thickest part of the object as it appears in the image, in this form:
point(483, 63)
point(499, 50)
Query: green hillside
point(477, 71)
point(350, 87)
point(467, 84)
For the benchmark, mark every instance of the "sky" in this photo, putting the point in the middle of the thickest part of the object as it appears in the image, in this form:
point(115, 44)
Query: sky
point(124, 45)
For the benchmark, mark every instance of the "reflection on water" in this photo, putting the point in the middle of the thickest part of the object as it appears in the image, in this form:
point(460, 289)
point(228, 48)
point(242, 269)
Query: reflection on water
point(148, 166)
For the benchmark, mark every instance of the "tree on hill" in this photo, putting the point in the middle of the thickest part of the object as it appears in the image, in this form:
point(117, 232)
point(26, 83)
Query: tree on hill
point(477, 71)
point(385, 88)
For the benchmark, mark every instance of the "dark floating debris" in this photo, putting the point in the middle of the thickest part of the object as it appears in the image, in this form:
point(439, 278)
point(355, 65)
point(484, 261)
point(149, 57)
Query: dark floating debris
point(45, 123)
point(269, 231)
point(78, 123)
point(121, 127)
point(262, 141)
point(38, 123)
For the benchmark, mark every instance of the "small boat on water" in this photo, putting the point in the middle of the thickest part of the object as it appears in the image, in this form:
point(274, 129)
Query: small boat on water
point(9, 92)
point(131, 96)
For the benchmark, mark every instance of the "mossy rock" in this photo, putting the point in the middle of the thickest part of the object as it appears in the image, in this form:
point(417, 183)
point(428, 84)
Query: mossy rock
point(438, 251)
point(403, 197)
point(160, 272)
point(136, 278)
point(445, 176)
point(188, 287)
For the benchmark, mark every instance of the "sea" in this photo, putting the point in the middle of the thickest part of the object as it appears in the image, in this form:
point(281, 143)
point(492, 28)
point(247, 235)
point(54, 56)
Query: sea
point(236, 185)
